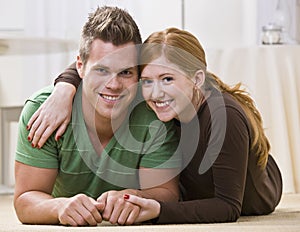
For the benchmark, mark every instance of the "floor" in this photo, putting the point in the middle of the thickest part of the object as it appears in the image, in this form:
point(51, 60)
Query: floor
point(285, 218)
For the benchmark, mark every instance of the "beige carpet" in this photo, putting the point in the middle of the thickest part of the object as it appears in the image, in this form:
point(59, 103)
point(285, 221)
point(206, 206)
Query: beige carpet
point(285, 218)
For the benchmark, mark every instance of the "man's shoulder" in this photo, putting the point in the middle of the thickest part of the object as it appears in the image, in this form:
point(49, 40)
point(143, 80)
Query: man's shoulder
point(41, 95)
point(35, 100)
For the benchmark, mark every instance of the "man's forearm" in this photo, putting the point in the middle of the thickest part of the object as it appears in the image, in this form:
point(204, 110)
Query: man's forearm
point(159, 184)
point(160, 194)
point(37, 208)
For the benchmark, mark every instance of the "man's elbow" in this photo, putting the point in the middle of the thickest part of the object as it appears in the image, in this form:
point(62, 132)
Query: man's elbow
point(20, 211)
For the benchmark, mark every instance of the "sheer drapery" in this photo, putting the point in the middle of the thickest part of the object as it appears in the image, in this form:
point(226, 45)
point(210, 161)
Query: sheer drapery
point(272, 76)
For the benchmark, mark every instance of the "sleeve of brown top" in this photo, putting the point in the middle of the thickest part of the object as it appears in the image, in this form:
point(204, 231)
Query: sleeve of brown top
point(70, 75)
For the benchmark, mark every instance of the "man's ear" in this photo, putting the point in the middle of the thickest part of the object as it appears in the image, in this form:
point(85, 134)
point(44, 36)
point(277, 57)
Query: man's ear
point(199, 78)
point(80, 67)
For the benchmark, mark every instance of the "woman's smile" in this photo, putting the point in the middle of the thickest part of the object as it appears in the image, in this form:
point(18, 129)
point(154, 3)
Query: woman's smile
point(162, 104)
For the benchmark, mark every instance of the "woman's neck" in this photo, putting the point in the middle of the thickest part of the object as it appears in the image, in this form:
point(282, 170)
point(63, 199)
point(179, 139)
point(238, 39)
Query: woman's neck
point(191, 110)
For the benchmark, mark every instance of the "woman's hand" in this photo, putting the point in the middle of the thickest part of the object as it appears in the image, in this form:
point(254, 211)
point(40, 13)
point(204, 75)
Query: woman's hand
point(117, 209)
point(149, 208)
point(54, 113)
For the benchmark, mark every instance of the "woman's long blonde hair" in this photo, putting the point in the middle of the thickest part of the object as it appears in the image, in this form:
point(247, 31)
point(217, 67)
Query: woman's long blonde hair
point(184, 50)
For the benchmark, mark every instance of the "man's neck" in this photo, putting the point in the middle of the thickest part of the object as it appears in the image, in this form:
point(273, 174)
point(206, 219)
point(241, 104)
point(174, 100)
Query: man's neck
point(100, 129)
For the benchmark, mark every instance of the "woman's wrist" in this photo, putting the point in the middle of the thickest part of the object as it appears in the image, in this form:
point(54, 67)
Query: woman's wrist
point(65, 89)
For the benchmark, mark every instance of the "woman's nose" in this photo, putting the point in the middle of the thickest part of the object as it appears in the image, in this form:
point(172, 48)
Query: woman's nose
point(157, 91)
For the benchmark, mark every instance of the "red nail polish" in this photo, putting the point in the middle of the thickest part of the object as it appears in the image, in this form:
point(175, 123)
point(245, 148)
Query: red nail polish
point(58, 137)
point(29, 139)
point(32, 145)
point(27, 127)
point(126, 196)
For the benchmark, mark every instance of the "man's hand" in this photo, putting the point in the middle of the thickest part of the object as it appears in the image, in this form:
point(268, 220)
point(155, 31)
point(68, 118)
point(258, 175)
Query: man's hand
point(117, 210)
point(80, 210)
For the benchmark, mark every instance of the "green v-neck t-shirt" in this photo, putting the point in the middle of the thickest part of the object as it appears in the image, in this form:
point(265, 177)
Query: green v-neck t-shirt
point(141, 141)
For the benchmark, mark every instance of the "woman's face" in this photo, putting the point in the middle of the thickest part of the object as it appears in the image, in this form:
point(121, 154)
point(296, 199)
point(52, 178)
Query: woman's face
point(168, 91)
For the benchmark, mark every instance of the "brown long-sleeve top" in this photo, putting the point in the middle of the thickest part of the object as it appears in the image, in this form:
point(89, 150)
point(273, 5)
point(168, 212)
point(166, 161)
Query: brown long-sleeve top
point(229, 183)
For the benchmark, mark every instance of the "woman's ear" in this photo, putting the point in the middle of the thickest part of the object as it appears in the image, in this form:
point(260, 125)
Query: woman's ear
point(199, 78)
point(80, 67)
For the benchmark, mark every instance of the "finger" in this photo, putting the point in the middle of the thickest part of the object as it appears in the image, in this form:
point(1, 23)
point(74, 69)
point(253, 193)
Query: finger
point(122, 218)
point(46, 134)
point(135, 200)
point(106, 212)
point(108, 209)
point(60, 131)
point(118, 207)
point(32, 119)
point(73, 218)
point(38, 133)
point(68, 221)
point(100, 206)
point(91, 214)
point(103, 198)
point(78, 218)
point(33, 127)
point(128, 214)
point(133, 216)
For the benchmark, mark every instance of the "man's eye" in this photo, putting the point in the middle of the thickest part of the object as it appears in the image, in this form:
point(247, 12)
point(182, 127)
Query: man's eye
point(146, 82)
point(126, 73)
point(102, 70)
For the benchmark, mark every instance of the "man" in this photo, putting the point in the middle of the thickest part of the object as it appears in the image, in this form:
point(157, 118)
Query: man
point(105, 147)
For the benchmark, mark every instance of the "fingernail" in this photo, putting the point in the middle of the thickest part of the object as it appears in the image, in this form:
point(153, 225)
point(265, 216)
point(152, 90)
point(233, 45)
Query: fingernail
point(29, 139)
point(126, 196)
point(58, 137)
point(32, 145)
point(27, 127)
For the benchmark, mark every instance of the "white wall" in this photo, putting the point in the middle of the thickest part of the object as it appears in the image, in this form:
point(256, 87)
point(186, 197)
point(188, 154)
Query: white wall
point(216, 23)
point(222, 23)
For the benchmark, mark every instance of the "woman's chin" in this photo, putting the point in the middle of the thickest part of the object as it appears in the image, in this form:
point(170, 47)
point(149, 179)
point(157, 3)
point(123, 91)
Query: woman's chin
point(165, 117)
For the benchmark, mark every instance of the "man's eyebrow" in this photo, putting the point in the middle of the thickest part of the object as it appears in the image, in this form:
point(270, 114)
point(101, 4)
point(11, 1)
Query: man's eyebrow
point(127, 67)
point(99, 65)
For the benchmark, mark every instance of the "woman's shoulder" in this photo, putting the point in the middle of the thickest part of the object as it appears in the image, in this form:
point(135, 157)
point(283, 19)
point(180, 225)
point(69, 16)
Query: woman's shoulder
point(223, 100)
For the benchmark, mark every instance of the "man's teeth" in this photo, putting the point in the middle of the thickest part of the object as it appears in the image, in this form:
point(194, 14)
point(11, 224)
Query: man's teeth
point(111, 98)
point(162, 104)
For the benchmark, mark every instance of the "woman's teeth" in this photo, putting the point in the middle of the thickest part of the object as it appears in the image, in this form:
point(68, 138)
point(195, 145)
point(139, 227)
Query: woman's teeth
point(162, 104)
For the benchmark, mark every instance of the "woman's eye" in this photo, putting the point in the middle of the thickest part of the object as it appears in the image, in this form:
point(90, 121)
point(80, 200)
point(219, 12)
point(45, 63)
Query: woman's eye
point(146, 82)
point(167, 80)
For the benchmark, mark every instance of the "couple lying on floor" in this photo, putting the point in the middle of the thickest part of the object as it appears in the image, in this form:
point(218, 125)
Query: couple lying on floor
point(90, 148)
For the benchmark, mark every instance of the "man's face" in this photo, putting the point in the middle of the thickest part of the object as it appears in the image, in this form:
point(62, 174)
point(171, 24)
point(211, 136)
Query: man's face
point(110, 78)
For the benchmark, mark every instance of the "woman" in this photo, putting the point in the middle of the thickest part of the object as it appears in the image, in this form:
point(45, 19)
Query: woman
point(231, 172)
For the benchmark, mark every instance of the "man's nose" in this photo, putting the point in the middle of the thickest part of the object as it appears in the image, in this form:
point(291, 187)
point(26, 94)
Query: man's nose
point(114, 82)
